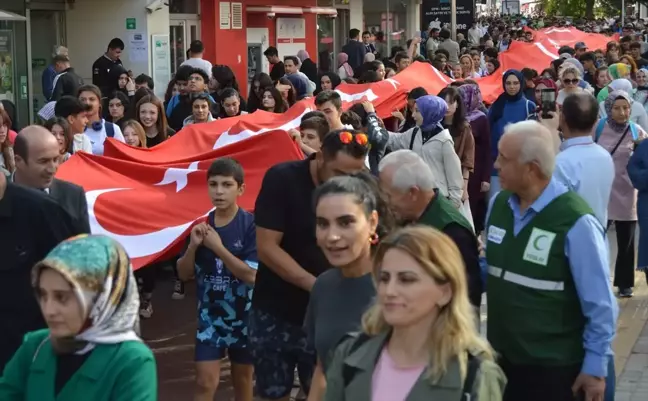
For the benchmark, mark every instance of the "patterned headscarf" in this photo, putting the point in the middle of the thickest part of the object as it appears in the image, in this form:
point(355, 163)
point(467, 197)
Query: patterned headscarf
point(100, 273)
point(472, 99)
point(619, 70)
point(609, 103)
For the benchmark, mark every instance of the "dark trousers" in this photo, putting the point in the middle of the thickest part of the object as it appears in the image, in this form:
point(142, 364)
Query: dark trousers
point(624, 267)
point(146, 276)
point(539, 383)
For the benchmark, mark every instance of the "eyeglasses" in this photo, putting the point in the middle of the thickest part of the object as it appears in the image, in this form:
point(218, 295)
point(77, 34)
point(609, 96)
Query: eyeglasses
point(571, 81)
point(347, 137)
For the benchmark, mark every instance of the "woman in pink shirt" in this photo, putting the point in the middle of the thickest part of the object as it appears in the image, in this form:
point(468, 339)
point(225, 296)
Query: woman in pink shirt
point(419, 341)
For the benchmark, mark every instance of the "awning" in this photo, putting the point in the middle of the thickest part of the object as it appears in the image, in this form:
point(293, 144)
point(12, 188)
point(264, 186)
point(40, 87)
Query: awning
point(292, 10)
point(9, 16)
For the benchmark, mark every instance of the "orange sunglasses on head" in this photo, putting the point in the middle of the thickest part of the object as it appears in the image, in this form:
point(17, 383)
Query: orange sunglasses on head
point(346, 138)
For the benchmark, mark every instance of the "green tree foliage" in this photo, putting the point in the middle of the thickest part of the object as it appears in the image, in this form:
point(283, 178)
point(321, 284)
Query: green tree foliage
point(586, 8)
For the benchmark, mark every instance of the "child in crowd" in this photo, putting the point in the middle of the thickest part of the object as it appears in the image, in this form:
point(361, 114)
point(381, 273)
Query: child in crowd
point(222, 256)
point(311, 134)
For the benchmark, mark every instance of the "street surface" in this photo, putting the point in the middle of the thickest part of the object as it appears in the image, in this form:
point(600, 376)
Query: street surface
point(170, 333)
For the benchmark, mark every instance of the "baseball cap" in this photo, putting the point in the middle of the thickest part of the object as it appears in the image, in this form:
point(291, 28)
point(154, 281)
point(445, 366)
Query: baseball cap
point(580, 46)
point(70, 106)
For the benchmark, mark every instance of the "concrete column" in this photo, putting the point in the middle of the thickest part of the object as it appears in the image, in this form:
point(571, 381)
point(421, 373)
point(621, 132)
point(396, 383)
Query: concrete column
point(356, 13)
point(413, 15)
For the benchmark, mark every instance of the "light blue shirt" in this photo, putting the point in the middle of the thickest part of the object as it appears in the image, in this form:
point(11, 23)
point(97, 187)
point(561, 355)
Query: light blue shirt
point(587, 169)
point(587, 252)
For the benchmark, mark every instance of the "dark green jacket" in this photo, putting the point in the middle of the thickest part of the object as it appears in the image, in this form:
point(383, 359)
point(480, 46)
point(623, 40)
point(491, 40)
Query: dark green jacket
point(119, 372)
point(489, 383)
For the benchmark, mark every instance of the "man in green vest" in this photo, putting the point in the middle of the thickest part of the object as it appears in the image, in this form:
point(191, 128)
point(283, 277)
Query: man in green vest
point(551, 311)
point(409, 183)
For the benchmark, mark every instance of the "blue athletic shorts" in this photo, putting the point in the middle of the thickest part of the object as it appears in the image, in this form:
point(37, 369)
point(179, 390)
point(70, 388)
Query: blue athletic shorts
point(206, 353)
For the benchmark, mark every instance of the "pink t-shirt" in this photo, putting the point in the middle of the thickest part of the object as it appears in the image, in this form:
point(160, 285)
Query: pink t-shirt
point(391, 383)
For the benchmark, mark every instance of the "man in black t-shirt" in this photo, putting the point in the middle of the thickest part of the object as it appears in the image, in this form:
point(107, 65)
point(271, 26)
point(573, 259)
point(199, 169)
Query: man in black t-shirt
point(278, 69)
point(290, 260)
point(101, 68)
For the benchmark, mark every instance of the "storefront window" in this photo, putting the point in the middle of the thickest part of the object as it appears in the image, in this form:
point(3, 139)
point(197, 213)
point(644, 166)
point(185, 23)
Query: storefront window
point(325, 42)
point(389, 17)
point(183, 6)
point(13, 67)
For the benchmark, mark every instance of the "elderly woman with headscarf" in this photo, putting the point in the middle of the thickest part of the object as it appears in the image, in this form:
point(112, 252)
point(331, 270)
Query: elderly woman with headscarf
point(641, 93)
point(434, 144)
point(308, 67)
point(509, 108)
point(616, 71)
point(344, 68)
point(638, 113)
point(479, 181)
point(619, 135)
point(91, 350)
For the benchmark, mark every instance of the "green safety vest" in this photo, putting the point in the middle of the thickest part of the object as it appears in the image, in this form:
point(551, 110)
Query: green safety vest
point(442, 212)
point(534, 313)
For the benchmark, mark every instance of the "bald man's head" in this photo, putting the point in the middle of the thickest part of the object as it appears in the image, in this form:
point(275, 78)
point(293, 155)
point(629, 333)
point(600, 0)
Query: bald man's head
point(37, 156)
point(32, 136)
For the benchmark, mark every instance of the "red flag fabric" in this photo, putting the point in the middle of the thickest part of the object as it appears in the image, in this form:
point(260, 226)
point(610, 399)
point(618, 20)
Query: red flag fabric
point(148, 199)
point(149, 208)
point(570, 36)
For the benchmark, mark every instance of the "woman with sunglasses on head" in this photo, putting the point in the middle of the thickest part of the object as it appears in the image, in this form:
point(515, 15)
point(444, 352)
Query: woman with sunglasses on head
point(91, 349)
point(351, 217)
point(418, 341)
point(98, 129)
point(569, 78)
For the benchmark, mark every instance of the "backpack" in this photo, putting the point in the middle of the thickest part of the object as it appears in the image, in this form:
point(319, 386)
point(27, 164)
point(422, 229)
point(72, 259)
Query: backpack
point(601, 124)
point(110, 129)
point(469, 382)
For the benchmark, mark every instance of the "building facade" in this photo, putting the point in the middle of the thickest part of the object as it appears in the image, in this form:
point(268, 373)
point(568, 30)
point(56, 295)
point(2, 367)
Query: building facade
point(157, 34)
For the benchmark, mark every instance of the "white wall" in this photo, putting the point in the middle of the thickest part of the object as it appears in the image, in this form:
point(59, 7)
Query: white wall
point(356, 13)
point(91, 24)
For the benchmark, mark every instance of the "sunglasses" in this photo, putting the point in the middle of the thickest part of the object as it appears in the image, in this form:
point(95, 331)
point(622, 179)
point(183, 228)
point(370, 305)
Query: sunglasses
point(347, 137)
point(571, 81)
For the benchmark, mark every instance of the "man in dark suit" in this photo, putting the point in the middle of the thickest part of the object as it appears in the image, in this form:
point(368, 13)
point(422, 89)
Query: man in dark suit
point(355, 50)
point(31, 224)
point(37, 158)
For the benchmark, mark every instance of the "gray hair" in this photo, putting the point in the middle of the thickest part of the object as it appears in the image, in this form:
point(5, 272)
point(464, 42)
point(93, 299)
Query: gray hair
point(60, 51)
point(537, 144)
point(410, 170)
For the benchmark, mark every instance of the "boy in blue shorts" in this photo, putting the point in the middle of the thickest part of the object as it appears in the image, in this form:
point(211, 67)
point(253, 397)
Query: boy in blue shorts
point(221, 255)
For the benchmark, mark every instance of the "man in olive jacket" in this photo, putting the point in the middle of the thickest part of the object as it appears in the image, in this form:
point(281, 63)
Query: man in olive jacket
point(409, 183)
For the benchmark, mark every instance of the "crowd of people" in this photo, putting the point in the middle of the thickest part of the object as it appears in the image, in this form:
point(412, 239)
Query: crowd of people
point(363, 265)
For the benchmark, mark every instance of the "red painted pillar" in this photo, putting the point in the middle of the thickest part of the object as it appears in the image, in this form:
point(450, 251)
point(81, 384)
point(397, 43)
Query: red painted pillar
point(224, 46)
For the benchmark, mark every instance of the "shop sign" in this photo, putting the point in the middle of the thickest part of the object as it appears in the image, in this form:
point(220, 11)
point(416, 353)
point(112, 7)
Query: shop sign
point(131, 23)
point(39, 63)
point(436, 14)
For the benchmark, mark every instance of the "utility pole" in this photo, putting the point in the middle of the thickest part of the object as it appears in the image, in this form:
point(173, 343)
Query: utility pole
point(453, 19)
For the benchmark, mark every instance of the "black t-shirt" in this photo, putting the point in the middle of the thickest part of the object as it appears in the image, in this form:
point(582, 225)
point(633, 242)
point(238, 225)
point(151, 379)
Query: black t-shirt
point(101, 73)
point(278, 71)
point(285, 204)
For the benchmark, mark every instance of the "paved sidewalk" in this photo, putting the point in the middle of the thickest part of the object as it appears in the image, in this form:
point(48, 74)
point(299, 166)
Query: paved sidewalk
point(631, 346)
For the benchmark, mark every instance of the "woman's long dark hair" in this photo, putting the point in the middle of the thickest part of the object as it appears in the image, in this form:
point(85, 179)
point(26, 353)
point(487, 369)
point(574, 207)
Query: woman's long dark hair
point(225, 77)
point(254, 98)
point(292, 93)
point(280, 104)
point(459, 118)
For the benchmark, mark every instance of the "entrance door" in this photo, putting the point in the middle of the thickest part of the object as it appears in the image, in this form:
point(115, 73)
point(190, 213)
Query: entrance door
point(182, 33)
point(47, 31)
point(257, 43)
